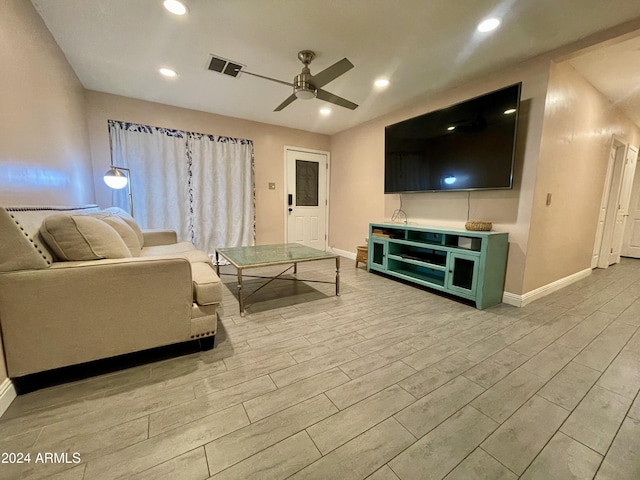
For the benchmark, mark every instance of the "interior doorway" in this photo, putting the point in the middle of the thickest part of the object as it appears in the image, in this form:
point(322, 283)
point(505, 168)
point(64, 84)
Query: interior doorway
point(306, 197)
point(631, 239)
point(614, 204)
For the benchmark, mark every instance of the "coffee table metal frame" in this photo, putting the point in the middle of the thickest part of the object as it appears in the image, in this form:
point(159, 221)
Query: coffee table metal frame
point(235, 260)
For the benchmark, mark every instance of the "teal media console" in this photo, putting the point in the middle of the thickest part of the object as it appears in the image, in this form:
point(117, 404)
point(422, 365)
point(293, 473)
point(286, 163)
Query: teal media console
point(464, 263)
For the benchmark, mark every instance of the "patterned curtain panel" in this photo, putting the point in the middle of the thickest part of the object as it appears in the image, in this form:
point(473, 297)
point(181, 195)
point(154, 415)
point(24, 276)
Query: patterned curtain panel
point(201, 186)
point(222, 190)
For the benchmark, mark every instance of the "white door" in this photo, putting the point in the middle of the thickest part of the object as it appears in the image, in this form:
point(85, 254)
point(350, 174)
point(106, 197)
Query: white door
point(306, 198)
point(631, 238)
point(622, 211)
point(607, 255)
point(595, 260)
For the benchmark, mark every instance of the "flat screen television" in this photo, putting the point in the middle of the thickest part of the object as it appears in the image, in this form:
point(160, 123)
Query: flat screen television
point(467, 146)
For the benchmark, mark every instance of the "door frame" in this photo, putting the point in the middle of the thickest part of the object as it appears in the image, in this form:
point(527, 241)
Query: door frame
point(288, 148)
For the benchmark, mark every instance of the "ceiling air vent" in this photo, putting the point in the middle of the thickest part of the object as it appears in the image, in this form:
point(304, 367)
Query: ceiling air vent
point(224, 66)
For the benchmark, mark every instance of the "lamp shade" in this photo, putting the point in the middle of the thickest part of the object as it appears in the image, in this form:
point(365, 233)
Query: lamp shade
point(114, 178)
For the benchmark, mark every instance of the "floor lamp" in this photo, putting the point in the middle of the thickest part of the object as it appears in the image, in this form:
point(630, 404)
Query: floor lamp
point(115, 179)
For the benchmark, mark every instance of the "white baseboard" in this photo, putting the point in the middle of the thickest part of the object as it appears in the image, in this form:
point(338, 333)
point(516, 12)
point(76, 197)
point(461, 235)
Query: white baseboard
point(7, 395)
point(342, 253)
point(526, 298)
point(512, 299)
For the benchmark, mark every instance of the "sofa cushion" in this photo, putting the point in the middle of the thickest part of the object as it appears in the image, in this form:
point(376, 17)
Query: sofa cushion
point(207, 289)
point(124, 230)
point(192, 256)
point(129, 219)
point(180, 247)
point(81, 237)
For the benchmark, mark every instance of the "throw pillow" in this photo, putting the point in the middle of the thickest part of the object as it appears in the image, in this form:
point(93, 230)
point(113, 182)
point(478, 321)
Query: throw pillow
point(82, 237)
point(130, 221)
point(124, 230)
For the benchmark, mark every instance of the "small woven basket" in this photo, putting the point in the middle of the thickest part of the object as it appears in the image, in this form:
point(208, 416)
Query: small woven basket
point(361, 256)
point(478, 226)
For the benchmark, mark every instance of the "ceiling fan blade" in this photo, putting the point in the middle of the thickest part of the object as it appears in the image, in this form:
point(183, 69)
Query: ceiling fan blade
point(267, 78)
point(331, 73)
point(289, 100)
point(330, 97)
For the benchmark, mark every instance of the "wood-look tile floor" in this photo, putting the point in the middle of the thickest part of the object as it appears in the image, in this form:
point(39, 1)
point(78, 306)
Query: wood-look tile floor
point(387, 381)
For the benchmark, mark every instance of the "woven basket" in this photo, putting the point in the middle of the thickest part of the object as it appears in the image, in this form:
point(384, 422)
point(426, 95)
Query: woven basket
point(478, 226)
point(362, 254)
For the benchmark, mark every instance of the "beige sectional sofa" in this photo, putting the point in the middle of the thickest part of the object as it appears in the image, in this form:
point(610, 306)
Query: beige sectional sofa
point(77, 285)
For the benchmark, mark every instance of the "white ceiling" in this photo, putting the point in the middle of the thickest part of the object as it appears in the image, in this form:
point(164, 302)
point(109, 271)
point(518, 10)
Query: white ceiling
point(615, 71)
point(421, 46)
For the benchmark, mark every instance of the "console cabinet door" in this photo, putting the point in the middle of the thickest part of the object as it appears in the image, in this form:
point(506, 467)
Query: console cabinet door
point(463, 273)
point(378, 253)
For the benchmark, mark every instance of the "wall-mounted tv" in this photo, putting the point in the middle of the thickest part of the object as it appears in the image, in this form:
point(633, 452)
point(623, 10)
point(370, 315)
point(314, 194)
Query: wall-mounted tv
point(467, 146)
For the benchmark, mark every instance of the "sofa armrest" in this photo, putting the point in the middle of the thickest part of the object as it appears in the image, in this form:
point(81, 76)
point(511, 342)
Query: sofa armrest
point(71, 314)
point(153, 238)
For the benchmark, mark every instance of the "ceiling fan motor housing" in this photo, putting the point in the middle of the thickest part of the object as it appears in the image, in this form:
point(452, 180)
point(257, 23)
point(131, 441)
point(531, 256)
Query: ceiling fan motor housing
point(301, 86)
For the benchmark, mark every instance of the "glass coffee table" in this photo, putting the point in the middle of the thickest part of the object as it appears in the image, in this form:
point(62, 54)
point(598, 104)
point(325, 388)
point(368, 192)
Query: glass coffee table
point(269, 255)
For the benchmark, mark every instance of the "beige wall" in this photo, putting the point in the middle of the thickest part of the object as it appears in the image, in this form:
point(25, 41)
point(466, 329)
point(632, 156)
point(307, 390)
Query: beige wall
point(577, 133)
point(44, 147)
point(357, 174)
point(268, 141)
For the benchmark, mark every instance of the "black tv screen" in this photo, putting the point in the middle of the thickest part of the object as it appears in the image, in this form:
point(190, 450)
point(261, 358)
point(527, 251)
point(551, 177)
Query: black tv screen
point(467, 146)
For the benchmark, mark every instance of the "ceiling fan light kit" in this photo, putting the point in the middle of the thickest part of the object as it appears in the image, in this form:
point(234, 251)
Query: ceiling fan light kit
point(305, 85)
point(304, 93)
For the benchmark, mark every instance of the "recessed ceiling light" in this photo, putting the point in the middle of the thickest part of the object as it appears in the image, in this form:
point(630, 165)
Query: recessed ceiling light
point(452, 127)
point(381, 83)
point(509, 110)
point(167, 72)
point(325, 111)
point(175, 7)
point(488, 25)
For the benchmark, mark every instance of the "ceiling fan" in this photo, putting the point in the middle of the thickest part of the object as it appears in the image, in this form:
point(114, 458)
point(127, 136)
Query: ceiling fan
point(307, 86)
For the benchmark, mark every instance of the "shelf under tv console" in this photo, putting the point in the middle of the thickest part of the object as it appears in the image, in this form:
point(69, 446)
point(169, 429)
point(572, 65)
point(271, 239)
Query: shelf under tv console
point(464, 263)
